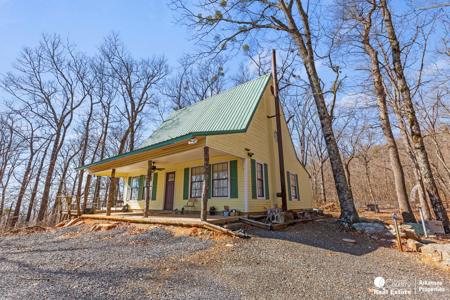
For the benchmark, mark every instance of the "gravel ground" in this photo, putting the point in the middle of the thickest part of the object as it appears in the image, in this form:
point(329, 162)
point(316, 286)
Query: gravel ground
point(306, 261)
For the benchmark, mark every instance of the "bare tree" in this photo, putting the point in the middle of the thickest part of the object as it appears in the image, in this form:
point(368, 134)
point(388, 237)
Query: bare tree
point(364, 16)
point(47, 84)
point(135, 80)
point(410, 115)
point(194, 81)
point(231, 22)
point(28, 134)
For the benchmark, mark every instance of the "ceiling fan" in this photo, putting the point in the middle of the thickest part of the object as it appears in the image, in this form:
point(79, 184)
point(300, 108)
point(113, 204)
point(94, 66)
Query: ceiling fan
point(157, 169)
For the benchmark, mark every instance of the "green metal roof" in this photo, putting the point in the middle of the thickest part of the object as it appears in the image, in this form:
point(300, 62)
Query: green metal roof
point(228, 112)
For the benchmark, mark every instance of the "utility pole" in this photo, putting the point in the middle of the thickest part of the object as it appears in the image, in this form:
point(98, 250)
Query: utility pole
point(279, 133)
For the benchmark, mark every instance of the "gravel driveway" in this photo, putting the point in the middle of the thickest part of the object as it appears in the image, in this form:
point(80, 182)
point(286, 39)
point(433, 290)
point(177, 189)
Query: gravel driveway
point(306, 261)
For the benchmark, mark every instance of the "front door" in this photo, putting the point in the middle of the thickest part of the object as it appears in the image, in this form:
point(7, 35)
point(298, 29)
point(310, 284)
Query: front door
point(170, 191)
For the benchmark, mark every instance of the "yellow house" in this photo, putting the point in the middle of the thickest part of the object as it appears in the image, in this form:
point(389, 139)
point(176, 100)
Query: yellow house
point(239, 129)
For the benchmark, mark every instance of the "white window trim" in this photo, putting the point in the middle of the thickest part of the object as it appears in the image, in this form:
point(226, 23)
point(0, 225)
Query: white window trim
point(228, 179)
point(211, 186)
point(190, 182)
point(263, 197)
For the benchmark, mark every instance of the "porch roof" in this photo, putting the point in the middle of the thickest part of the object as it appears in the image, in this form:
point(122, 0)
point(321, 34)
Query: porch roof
point(228, 112)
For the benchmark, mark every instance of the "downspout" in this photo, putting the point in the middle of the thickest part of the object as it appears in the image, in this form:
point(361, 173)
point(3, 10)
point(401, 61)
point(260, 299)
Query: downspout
point(274, 90)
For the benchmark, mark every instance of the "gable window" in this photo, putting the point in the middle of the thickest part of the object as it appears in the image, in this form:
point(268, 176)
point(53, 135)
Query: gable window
point(260, 180)
point(220, 180)
point(196, 182)
point(293, 186)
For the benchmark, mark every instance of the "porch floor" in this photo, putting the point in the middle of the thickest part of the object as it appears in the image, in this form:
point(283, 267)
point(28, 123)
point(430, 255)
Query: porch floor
point(163, 218)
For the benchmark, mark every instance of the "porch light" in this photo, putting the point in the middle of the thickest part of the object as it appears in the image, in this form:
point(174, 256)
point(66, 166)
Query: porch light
point(192, 141)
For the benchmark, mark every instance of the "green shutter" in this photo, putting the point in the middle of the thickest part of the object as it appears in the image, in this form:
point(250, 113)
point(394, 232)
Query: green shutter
point(253, 169)
point(289, 185)
point(210, 182)
point(186, 184)
point(141, 187)
point(129, 188)
point(154, 185)
point(266, 182)
point(296, 186)
point(233, 179)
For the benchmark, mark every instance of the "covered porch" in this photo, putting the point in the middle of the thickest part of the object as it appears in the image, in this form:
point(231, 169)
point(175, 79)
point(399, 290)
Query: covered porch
point(187, 178)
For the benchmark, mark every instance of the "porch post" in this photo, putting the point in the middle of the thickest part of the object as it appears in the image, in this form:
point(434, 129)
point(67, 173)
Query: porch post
point(112, 189)
point(246, 185)
point(204, 212)
point(148, 180)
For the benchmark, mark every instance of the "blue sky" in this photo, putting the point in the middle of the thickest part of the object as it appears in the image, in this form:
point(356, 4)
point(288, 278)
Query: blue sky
point(146, 26)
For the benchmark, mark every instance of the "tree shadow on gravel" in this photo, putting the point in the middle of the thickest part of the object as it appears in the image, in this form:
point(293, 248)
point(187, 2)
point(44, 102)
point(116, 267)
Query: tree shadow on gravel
point(324, 234)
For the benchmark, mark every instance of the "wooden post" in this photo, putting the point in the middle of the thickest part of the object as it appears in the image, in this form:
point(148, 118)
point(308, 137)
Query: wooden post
point(397, 232)
point(279, 133)
point(112, 193)
point(205, 190)
point(148, 180)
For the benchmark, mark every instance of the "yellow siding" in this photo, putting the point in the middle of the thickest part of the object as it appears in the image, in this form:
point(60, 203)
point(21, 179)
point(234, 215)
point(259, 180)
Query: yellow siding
point(218, 203)
point(260, 139)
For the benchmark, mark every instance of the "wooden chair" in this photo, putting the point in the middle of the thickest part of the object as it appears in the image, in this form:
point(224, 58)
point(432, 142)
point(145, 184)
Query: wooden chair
point(190, 204)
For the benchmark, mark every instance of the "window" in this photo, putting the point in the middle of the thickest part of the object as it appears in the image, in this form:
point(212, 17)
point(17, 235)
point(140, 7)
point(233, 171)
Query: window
point(137, 187)
point(260, 180)
point(196, 182)
point(220, 180)
point(134, 188)
point(293, 187)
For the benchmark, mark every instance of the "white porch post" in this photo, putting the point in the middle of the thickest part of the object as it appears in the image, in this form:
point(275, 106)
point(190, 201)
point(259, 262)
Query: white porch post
point(246, 183)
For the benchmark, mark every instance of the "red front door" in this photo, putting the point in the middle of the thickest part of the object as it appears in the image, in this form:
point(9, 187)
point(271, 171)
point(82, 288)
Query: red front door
point(170, 191)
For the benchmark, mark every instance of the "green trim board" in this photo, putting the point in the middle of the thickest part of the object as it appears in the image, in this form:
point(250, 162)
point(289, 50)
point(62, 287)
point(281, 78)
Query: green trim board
point(228, 112)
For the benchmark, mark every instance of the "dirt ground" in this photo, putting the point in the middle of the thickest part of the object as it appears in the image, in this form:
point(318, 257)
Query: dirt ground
point(154, 262)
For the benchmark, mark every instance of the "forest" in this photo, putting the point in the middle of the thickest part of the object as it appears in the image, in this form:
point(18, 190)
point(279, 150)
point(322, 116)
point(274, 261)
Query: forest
point(364, 86)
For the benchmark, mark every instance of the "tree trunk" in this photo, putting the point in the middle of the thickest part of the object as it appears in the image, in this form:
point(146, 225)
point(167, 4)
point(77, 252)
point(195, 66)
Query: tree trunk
point(409, 151)
point(36, 184)
point(49, 178)
point(306, 52)
point(416, 134)
point(87, 188)
point(369, 182)
point(78, 193)
point(206, 187)
point(322, 184)
point(394, 156)
point(96, 199)
point(112, 192)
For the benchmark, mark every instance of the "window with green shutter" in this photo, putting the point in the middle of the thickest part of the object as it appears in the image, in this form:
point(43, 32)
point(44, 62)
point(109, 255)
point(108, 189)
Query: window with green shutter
point(186, 184)
point(253, 171)
point(288, 175)
point(233, 179)
point(154, 185)
point(266, 181)
point(293, 186)
point(141, 187)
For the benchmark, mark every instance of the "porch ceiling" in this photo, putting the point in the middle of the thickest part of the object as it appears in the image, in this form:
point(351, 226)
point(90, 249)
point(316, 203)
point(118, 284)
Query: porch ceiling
point(161, 162)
